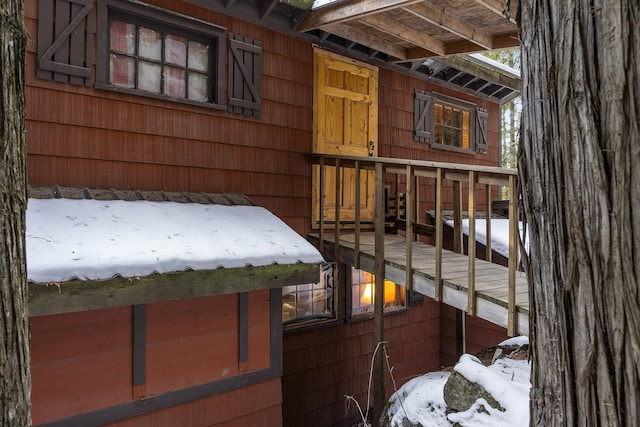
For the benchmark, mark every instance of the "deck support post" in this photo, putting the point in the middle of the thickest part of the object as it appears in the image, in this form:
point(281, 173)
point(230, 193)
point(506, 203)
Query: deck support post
point(357, 215)
point(336, 228)
point(378, 309)
point(471, 246)
point(513, 257)
point(488, 249)
point(409, 210)
point(439, 237)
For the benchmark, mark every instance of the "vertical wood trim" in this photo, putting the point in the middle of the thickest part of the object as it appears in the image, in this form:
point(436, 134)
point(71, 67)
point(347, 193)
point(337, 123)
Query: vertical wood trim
point(513, 257)
point(357, 214)
point(139, 350)
point(321, 203)
point(378, 312)
point(61, 55)
point(243, 329)
point(409, 208)
point(471, 247)
point(439, 237)
point(275, 343)
point(489, 251)
point(457, 217)
point(45, 35)
point(338, 187)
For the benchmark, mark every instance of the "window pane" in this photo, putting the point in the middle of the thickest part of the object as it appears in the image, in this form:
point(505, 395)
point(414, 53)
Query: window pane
point(122, 71)
point(465, 121)
point(311, 301)
point(175, 50)
point(149, 76)
point(438, 134)
point(123, 37)
point(174, 84)
point(198, 87)
point(446, 116)
point(150, 44)
point(198, 56)
point(438, 113)
point(457, 118)
point(465, 139)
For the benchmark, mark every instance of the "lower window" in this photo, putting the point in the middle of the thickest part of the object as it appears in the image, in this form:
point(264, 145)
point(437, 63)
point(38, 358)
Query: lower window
point(311, 301)
point(363, 293)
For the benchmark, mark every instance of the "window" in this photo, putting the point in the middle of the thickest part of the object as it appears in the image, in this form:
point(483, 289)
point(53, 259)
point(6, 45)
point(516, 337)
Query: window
point(363, 293)
point(450, 123)
point(156, 61)
point(311, 301)
point(154, 53)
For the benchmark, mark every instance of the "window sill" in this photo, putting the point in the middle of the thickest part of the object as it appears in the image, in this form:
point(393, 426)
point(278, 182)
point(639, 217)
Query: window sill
point(369, 315)
point(455, 149)
point(143, 94)
point(309, 325)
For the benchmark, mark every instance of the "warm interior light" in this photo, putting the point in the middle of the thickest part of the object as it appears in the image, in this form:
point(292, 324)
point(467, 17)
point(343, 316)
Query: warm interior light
point(389, 291)
point(366, 297)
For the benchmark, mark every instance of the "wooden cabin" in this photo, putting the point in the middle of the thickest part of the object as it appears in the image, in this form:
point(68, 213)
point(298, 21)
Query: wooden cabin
point(282, 105)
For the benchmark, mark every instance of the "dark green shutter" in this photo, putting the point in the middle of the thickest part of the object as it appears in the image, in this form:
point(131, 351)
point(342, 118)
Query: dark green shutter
point(245, 69)
point(423, 116)
point(65, 40)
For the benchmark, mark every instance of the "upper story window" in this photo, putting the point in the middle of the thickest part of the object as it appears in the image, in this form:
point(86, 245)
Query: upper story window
point(451, 125)
point(363, 293)
point(152, 52)
point(151, 59)
point(445, 122)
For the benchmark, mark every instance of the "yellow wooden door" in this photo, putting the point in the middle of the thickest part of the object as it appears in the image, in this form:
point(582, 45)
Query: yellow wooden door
point(345, 123)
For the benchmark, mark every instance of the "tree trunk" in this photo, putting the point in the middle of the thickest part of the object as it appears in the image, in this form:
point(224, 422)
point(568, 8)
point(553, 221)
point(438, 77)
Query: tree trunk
point(580, 172)
point(15, 379)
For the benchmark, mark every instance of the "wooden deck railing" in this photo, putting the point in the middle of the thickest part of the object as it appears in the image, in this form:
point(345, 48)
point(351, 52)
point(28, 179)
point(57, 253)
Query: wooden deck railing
point(445, 182)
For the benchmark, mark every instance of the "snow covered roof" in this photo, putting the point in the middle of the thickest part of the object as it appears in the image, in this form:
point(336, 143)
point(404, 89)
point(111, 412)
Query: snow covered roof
point(101, 234)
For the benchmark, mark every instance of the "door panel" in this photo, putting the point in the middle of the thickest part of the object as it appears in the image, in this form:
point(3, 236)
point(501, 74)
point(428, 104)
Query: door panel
point(345, 120)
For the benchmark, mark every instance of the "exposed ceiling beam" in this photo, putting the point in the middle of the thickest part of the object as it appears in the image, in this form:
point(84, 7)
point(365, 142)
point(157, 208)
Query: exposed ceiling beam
point(348, 10)
point(405, 32)
point(482, 71)
point(497, 6)
point(368, 40)
point(438, 16)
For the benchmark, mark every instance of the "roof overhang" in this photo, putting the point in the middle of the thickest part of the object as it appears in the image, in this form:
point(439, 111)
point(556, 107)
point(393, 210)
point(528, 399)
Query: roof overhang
point(416, 37)
point(93, 249)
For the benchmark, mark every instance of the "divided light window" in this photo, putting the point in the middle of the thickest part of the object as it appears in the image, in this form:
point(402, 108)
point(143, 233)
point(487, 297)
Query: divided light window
point(152, 52)
point(363, 293)
point(302, 304)
point(159, 61)
point(451, 125)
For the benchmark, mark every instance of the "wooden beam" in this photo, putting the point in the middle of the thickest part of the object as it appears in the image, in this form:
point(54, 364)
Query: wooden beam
point(348, 10)
point(79, 295)
point(368, 40)
point(405, 32)
point(438, 16)
point(497, 6)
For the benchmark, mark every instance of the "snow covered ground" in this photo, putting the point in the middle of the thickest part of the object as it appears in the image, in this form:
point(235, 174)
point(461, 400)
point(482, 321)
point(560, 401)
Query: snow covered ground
point(421, 400)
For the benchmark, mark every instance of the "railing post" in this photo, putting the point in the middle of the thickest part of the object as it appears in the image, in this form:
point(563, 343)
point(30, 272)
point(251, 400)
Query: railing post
point(321, 203)
point(457, 217)
point(357, 216)
point(488, 250)
point(408, 203)
point(513, 257)
point(336, 240)
point(471, 245)
point(439, 230)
